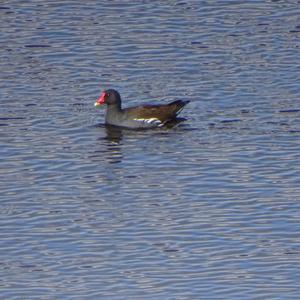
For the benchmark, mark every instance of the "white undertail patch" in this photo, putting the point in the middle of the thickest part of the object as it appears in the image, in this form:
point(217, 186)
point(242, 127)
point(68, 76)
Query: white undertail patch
point(153, 121)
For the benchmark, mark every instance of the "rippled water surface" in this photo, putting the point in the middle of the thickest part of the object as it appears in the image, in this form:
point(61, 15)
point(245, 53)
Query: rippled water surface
point(206, 210)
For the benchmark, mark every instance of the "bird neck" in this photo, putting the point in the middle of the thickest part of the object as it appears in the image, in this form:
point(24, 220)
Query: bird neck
point(114, 108)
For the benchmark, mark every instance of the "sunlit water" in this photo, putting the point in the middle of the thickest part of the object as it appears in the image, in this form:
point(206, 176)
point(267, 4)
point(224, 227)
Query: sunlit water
point(207, 210)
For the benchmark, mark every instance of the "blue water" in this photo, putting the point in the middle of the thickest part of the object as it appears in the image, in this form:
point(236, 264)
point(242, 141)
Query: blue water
point(206, 210)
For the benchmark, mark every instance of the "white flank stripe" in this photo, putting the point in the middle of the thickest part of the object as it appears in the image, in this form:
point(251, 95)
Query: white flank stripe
point(149, 121)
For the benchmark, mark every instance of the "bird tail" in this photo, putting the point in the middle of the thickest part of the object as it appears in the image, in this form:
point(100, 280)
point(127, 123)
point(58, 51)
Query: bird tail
point(178, 105)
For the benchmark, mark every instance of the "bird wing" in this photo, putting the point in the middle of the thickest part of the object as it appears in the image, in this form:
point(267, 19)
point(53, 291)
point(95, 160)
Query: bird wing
point(163, 113)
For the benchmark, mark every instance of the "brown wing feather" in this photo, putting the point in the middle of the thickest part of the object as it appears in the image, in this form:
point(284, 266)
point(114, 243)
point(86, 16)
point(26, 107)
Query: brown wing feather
point(162, 112)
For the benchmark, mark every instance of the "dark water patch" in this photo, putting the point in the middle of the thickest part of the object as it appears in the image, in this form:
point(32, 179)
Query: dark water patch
point(37, 46)
point(245, 111)
point(79, 104)
point(295, 30)
point(199, 44)
point(230, 121)
point(288, 111)
point(294, 131)
point(234, 34)
point(30, 104)
point(11, 118)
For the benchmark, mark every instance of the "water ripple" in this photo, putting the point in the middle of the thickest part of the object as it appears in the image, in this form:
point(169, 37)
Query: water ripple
point(208, 209)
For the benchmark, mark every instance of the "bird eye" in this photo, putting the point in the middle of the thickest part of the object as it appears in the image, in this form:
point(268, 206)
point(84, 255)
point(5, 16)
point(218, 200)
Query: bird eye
point(107, 94)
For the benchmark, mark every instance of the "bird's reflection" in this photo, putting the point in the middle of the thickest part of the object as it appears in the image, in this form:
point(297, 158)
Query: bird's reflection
point(113, 133)
point(113, 137)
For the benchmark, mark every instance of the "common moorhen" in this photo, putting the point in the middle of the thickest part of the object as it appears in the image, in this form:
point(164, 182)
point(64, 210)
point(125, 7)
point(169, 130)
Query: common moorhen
point(145, 116)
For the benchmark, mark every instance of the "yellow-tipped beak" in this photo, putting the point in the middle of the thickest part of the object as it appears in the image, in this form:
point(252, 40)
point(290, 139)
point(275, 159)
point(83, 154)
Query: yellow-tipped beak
point(101, 100)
